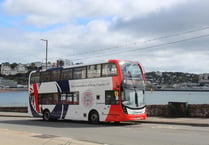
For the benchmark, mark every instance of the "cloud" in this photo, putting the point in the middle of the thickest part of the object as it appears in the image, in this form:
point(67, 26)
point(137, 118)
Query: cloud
point(38, 13)
point(92, 30)
point(176, 19)
point(48, 12)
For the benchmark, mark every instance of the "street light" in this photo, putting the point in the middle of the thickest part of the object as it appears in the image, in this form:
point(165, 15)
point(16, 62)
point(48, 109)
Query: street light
point(46, 50)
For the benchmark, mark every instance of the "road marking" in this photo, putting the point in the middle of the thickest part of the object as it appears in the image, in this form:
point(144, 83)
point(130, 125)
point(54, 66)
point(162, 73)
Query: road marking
point(166, 127)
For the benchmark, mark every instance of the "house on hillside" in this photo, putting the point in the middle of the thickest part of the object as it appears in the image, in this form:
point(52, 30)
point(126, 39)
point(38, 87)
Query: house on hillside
point(21, 69)
point(204, 78)
point(7, 69)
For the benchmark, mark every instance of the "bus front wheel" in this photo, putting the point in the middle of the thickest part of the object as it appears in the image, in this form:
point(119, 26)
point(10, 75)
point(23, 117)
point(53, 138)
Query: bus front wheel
point(46, 115)
point(94, 117)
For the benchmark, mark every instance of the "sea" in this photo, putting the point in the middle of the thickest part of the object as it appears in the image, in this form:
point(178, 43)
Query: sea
point(20, 98)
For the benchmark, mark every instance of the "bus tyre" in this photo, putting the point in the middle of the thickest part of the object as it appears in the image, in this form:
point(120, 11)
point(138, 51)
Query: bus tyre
point(46, 115)
point(94, 117)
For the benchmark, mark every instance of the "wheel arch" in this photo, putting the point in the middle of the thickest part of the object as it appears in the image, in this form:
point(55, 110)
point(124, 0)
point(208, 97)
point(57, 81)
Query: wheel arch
point(44, 110)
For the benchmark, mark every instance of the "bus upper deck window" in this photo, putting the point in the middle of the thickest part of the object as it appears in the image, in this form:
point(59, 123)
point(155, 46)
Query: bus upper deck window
point(45, 76)
point(94, 71)
point(66, 74)
point(55, 75)
point(109, 69)
point(79, 73)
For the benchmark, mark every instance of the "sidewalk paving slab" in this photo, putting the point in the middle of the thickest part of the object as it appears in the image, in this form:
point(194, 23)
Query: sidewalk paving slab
point(11, 137)
point(177, 121)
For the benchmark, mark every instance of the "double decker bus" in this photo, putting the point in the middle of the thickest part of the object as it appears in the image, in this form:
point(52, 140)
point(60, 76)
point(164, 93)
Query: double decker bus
point(113, 91)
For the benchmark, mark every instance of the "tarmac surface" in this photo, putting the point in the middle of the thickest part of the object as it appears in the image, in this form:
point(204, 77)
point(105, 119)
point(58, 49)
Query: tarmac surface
point(11, 137)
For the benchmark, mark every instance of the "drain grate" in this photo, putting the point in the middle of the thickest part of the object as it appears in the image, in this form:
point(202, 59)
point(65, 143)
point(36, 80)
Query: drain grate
point(45, 136)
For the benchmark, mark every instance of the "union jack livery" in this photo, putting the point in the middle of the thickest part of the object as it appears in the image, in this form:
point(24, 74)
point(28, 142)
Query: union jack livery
point(113, 91)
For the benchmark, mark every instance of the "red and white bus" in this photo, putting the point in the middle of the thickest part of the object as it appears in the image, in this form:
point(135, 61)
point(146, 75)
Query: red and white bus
point(113, 91)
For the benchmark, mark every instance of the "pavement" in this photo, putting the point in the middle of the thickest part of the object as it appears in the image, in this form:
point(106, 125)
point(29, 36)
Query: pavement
point(11, 137)
point(204, 122)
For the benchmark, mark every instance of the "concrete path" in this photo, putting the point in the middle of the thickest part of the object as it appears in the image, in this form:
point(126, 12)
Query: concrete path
point(178, 121)
point(11, 137)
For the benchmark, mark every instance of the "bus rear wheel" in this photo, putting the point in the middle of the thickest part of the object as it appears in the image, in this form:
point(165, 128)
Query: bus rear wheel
point(94, 117)
point(46, 115)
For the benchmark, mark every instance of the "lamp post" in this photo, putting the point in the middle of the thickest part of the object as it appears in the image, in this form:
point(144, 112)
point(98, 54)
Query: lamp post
point(46, 50)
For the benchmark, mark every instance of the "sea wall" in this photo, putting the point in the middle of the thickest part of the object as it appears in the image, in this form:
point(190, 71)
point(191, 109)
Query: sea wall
point(157, 110)
point(196, 110)
point(14, 109)
point(190, 110)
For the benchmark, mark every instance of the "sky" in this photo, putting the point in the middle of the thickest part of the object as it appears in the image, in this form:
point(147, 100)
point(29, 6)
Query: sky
point(163, 35)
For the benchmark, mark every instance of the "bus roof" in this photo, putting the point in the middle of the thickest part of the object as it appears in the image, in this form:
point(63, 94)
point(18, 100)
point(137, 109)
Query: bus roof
point(80, 65)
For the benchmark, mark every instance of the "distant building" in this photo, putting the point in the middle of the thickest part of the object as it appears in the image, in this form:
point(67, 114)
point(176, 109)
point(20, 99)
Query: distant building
point(65, 62)
point(38, 64)
point(158, 73)
point(204, 78)
point(49, 65)
point(20, 68)
point(6, 69)
point(68, 62)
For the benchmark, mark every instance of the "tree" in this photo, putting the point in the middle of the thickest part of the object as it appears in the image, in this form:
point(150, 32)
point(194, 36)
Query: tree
point(32, 66)
point(14, 65)
point(6, 63)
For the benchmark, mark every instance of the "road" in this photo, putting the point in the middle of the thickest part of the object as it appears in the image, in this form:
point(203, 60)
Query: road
point(113, 134)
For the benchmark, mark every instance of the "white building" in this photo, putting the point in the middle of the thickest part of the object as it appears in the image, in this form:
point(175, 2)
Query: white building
point(7, 70)
point(204, 78)
point(158, 73)
point(38, 64)
point(20, 68)
point(68, 62)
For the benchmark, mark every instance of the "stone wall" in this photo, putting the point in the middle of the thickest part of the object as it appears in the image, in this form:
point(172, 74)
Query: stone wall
point(191, 110)
point(14, 109)
point(198, 110)
point(157, 110)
